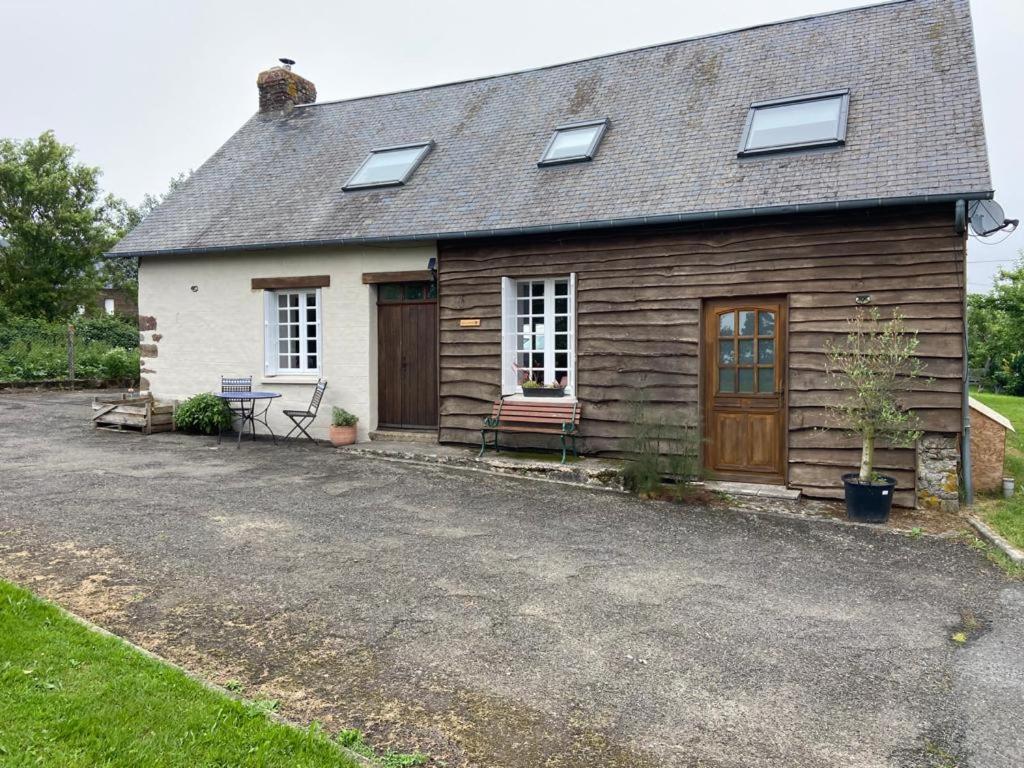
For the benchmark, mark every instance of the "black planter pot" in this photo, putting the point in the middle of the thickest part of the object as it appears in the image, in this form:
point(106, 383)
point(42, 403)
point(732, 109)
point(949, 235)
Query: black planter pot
point(868, 502)
point(543, 391)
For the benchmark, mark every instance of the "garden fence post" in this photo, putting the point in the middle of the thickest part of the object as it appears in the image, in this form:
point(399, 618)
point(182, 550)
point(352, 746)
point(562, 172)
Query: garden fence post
point(71, 355)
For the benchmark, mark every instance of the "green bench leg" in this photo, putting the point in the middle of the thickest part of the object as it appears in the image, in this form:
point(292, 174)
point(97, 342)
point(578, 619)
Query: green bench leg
point(483, 441)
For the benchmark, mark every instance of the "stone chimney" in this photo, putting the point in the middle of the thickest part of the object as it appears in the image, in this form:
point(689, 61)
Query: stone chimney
point(281, 89)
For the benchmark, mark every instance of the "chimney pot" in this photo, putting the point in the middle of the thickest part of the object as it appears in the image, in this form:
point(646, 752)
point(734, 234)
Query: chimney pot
point(281, 89)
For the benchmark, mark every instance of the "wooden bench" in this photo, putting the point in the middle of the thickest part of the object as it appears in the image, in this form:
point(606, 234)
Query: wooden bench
point(533, 416)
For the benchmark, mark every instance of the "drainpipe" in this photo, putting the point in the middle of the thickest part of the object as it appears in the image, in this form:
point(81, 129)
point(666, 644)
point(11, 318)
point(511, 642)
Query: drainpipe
point(965, 450)
point(965, 447)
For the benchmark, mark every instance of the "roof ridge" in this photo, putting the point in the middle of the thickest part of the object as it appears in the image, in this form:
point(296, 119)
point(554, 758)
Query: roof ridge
point(652, 46)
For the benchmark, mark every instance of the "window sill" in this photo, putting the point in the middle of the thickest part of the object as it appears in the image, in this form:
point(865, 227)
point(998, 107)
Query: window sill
point(289, 379)
point(518, 398)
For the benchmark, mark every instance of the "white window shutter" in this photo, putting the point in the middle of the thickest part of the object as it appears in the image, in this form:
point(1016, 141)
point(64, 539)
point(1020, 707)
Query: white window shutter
point(319, 332)
point(572, 333)
point(269, 366)
point(508, 336)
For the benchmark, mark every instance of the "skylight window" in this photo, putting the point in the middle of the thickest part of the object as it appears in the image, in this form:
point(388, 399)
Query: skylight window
point(389, 166)
point(574, 143)
point(798, 123)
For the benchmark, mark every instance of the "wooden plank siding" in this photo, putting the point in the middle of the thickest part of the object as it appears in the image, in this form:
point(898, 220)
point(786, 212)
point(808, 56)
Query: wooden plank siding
point(639, 296)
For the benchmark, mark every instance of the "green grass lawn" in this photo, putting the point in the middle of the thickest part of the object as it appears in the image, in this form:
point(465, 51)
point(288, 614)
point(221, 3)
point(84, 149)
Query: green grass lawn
point(71, 697)
point(1007, 516)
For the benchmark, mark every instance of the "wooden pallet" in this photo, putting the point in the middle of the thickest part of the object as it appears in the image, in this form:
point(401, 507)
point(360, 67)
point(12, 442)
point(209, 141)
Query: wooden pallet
point(129, 411)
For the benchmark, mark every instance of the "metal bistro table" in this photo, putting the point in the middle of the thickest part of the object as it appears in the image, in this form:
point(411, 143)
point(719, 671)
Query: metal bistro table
point(248, 405)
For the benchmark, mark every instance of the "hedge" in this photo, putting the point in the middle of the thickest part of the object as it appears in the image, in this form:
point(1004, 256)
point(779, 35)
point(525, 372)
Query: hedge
point(106, 348)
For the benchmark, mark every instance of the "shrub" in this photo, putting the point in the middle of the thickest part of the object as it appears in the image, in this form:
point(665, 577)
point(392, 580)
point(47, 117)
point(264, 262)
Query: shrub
point(109, 330)
point(1010, 376)
point(31, 332)
point(89, 360)
point(204, 414)
point(660, 447)
point(23, 361)
point(33, 349)
point(342, 418)
point(120, 364)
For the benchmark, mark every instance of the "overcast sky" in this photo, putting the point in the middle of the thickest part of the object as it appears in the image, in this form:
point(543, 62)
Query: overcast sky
point(146, 90)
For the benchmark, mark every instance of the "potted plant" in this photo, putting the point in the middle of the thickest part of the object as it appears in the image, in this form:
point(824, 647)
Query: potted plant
point(874, 364)
point(343, 427)
point(532, 389)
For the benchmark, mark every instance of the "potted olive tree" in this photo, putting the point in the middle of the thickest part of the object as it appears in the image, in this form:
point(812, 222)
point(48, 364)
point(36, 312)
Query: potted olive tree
point(343, 427)
point(874, 364)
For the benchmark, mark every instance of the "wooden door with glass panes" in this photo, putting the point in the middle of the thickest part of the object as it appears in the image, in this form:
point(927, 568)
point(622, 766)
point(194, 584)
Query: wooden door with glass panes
point(744, 362)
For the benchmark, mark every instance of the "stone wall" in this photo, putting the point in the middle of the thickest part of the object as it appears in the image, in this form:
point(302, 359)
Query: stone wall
point(938, 478)
point(148, 349)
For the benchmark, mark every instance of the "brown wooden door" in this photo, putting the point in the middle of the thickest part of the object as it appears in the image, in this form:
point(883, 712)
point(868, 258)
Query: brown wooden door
point(744, 362)
point(406, 357)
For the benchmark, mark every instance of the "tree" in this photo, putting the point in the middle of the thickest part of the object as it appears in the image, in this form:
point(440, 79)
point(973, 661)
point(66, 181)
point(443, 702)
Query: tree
point(995, 322)
point(55, 226)
point(874, 364)
point(123, 274)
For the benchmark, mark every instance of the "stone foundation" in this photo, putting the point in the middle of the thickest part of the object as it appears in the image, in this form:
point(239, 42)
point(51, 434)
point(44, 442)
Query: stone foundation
point(938, 479)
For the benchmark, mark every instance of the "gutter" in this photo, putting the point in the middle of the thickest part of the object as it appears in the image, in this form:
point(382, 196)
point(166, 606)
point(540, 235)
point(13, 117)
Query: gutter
point(579, 226)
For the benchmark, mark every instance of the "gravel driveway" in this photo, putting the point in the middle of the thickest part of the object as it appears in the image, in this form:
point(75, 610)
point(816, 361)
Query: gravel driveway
point(496, 622)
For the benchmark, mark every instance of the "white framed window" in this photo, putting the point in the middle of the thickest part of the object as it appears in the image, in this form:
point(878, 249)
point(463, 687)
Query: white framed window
point(291, 322)
point(538, 327)
point(108, 306)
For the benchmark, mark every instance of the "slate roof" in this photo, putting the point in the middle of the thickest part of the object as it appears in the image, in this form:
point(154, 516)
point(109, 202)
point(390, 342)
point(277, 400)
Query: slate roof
point(677, 113)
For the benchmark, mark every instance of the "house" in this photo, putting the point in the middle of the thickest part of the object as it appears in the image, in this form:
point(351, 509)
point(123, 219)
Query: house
point(116, 301)
point(684, 224)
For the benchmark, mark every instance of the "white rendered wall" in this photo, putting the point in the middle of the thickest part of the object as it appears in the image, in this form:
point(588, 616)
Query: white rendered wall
point(218, 329)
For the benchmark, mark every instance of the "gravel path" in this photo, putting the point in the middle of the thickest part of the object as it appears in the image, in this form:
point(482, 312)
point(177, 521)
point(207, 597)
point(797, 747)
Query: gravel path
point(495, 622)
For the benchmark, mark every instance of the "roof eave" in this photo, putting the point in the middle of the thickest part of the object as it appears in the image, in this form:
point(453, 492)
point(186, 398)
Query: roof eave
point(578, 226)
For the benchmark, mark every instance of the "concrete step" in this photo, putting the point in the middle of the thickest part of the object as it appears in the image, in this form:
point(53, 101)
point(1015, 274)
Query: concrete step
point(591, 472)
point(764, 490)
point(404, 435)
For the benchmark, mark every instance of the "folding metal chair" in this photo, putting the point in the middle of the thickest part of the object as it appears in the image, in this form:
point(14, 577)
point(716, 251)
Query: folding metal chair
point(235, 384)
point(303, 419)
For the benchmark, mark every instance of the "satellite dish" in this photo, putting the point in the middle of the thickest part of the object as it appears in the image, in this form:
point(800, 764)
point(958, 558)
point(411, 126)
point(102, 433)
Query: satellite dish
point(986, 217)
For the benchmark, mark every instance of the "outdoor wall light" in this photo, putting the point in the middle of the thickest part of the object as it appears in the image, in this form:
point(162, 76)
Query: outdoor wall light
point(194, 289)
point(862, 299)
